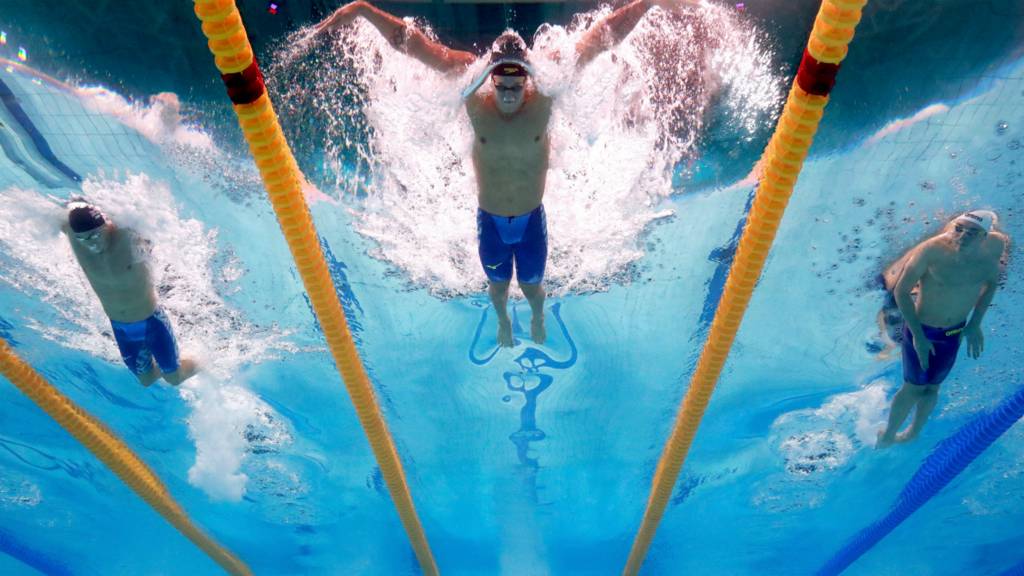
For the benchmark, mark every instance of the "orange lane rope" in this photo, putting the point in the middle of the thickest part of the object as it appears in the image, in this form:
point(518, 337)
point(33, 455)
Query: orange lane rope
point(113, 452)
point(233, 56)
point(782, 160)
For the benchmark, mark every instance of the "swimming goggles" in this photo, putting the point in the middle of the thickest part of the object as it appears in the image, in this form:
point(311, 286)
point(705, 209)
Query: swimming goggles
point(476, 84)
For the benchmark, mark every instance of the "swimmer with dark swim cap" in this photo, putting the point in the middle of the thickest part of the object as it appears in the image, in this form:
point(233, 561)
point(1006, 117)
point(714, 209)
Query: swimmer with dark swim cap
point(87, 224)
point(114, 262)
point(508, 60)
point(511, 145)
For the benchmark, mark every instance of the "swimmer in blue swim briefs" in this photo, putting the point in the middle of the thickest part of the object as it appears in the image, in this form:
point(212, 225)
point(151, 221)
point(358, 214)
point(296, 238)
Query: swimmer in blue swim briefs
point(955, 274)
point(510, 141)
point(114, 261)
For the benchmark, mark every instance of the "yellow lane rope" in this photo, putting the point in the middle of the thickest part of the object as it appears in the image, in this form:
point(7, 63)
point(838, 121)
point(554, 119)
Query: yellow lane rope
point(113, 452)
point(233, 56)
point(781, 163)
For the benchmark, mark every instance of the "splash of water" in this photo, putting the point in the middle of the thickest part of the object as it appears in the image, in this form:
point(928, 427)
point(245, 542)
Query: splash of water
point(819, 440)
point(392, 135)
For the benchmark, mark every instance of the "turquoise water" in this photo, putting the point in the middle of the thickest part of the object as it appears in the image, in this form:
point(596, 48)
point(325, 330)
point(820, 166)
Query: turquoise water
point(536, 460)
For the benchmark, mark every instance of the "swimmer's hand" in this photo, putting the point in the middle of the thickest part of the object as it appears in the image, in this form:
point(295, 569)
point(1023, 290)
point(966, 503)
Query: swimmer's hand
point(923, 347)
point(341, 17)
point(975, 340)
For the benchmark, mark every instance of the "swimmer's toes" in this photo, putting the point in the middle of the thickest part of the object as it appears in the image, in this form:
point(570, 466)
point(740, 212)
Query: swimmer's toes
point(538, 333)
point(505, 335)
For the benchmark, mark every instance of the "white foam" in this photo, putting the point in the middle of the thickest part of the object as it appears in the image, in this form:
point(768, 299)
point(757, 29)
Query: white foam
point(819, 440)
point(159, 120)
point(221, 414)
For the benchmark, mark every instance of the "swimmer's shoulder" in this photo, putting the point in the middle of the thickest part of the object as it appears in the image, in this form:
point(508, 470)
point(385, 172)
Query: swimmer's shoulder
point(999, 241)
point(475, 104)
point(998, 248)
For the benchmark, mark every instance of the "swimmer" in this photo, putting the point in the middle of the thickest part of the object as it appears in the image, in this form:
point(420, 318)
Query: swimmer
point(114, 261)
point(510, 142)
point(956, 274)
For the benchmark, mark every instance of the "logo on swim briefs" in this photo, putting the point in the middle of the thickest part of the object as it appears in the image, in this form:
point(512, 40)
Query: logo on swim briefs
point(492, 266)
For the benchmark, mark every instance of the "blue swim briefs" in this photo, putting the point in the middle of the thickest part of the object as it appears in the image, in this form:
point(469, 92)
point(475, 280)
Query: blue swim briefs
point(945, 343)
point(143, 341)
point(522, 239)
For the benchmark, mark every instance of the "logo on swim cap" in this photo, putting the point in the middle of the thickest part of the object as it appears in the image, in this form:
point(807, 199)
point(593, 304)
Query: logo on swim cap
point(509, 69)
point(985, 219)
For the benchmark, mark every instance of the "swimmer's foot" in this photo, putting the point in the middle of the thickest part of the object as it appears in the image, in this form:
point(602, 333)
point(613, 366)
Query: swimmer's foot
point(505, 333)
point(905, 437)
point(884, 440)
point(148, 378)
point(187, 368)
point(537, 330)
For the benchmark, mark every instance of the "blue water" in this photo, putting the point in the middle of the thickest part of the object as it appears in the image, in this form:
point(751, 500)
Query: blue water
point(535, 460)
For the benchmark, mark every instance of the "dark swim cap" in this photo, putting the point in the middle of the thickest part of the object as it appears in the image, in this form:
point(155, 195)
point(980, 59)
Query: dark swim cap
point(508, 46)
point(509, 68)
point(84, 217)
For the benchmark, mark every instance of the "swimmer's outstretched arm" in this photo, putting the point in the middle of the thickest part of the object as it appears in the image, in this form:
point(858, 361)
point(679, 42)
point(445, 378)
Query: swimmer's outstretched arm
point(401, 36)
point(611, 29)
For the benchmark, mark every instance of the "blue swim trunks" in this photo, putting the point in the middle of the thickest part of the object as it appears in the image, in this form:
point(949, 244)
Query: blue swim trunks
point(522, 239)
point(945, 343)
point(143, 341)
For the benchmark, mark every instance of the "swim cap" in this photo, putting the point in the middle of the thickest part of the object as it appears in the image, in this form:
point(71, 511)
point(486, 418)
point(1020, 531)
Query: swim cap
point(508, 58)
point(511, 65)
point(509, 68)
point(983, 218)
point(508, 46)
point(84, 217)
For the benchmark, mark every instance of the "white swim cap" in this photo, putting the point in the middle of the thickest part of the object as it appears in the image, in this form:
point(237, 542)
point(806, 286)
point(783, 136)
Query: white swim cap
point(983, 218)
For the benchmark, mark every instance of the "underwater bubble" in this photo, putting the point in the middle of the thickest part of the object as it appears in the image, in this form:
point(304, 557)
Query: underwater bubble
point(1013, 144)
point(1001, 127)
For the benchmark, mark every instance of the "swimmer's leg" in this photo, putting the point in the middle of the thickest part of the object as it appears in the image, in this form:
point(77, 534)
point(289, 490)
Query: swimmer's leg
point(161, 341)
point(535, 296)
point(187, 368)
point(929, 396)
point(499, 297)
point(531, 259)
point(147, 378)
point(902, 403)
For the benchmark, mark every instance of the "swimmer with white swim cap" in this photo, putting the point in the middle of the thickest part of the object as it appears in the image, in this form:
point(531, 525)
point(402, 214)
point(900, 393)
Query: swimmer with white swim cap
point(955, 275)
